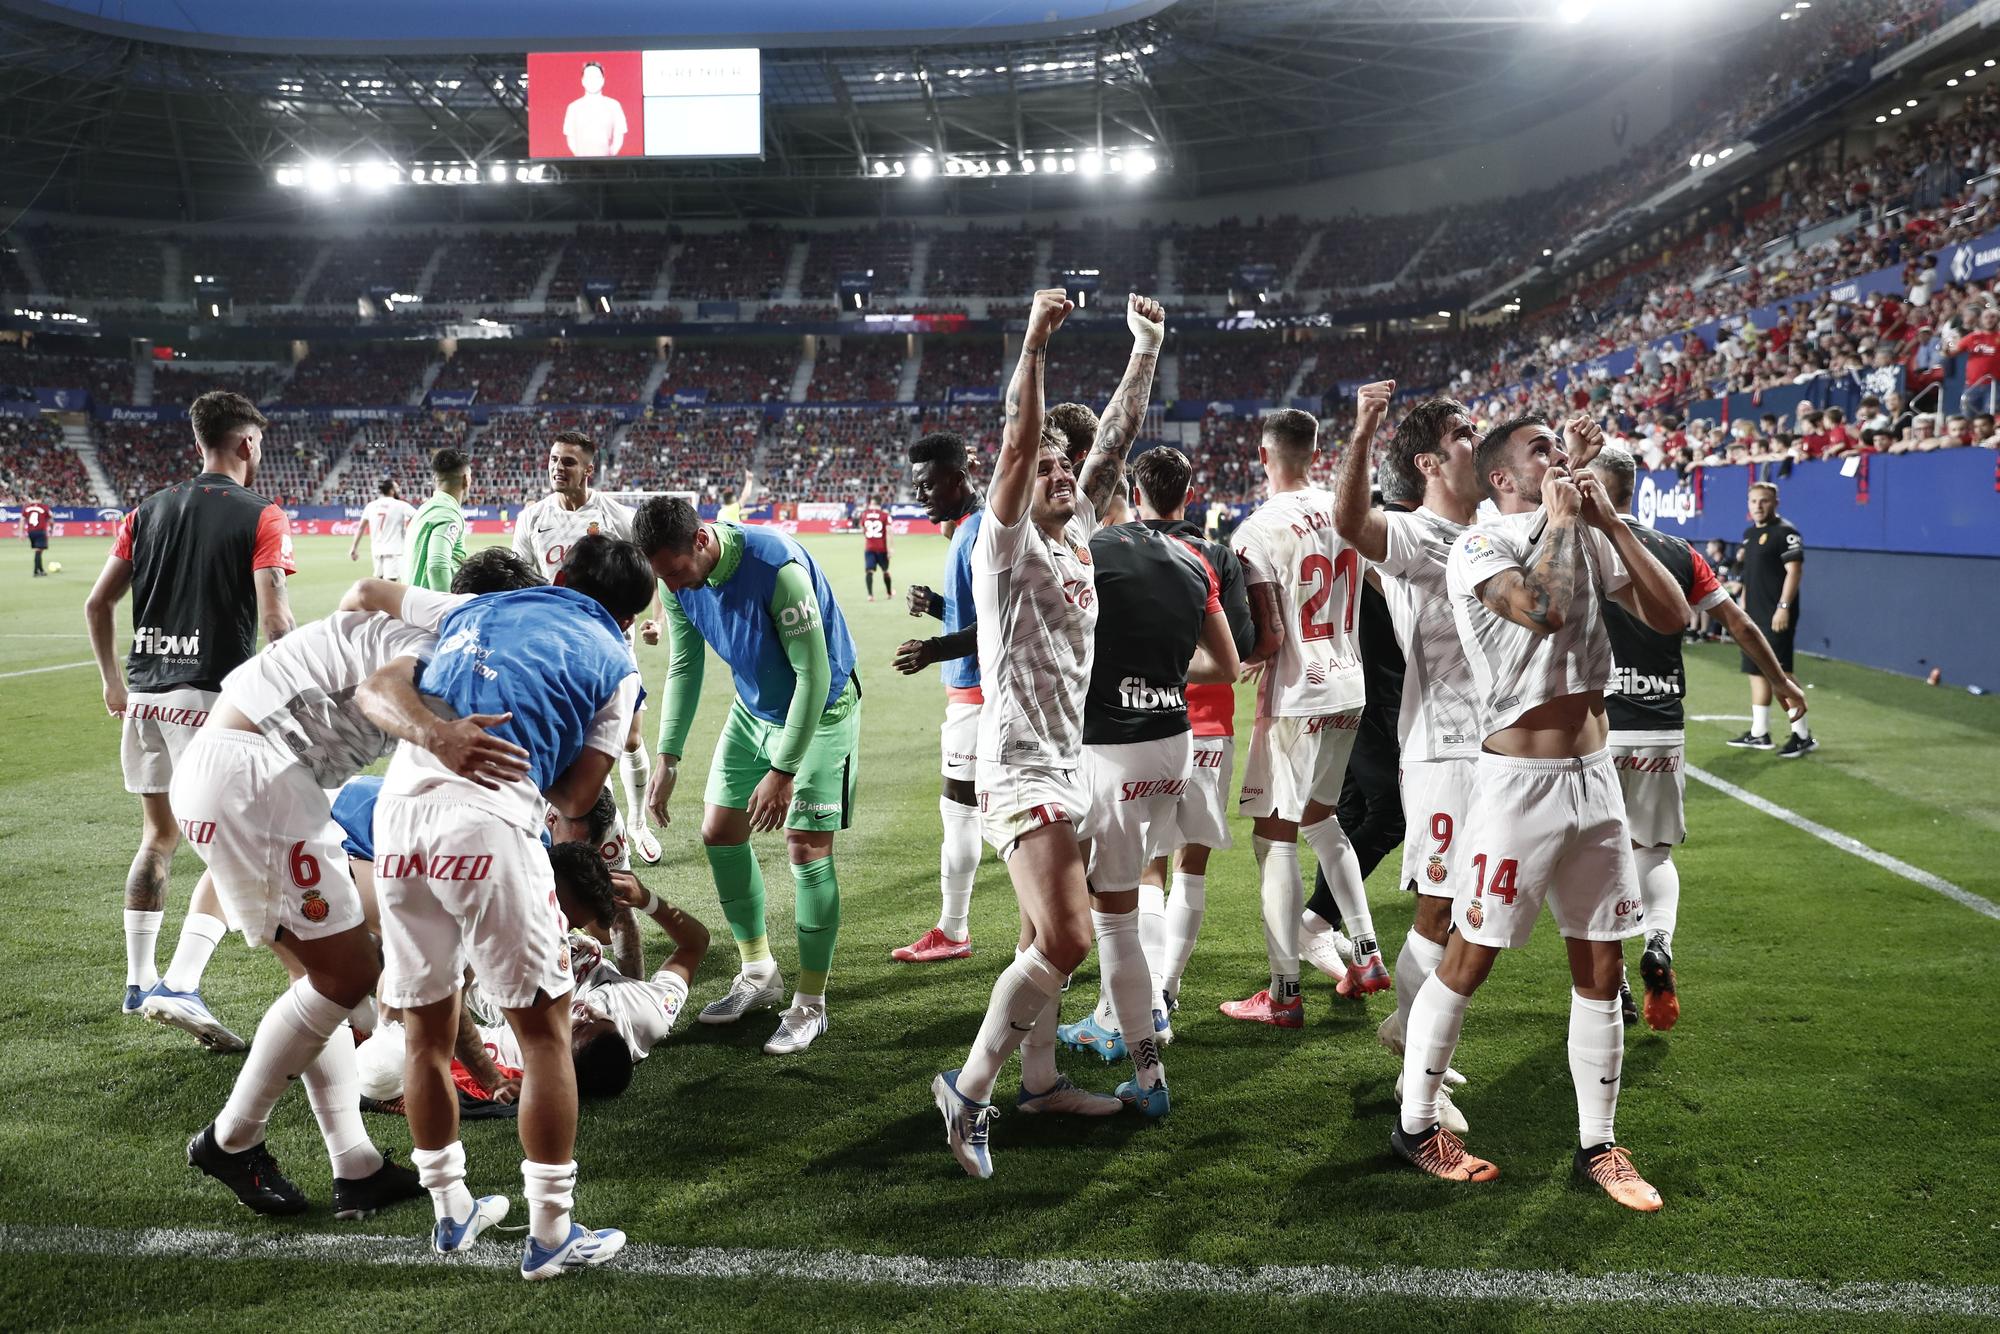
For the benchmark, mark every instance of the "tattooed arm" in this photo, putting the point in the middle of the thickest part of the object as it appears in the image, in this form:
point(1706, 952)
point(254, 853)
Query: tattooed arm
point(1104, 469)
point(1021, 435)
point(1537, 599)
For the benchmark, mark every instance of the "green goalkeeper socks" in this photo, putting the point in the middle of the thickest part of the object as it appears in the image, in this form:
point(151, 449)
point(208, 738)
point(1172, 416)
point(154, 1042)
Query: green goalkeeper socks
point(818, 921)
point(740, 886)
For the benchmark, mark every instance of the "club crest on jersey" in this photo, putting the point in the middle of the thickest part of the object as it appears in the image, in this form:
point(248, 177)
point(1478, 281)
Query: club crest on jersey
point(1082, 554)
point(1475, 916)
point(314, 908)
point(1435, 872)
point(591, 531)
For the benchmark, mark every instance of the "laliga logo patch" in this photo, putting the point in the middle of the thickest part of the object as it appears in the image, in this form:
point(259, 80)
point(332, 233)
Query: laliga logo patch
point(1475, 916)
point(1435, 871)
point(314, 908)
point(1478, 544)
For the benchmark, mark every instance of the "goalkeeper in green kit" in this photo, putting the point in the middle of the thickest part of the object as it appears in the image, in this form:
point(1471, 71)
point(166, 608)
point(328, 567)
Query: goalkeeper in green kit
point(788, 753)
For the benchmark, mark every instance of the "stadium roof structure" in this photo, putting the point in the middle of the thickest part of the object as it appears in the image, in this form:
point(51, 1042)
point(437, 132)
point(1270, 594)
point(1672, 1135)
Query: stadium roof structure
point(135, 116)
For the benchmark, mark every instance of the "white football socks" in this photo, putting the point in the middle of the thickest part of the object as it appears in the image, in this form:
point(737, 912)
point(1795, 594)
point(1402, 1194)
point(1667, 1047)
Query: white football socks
point(200, 934)
point(634, 770)
point(1800, 727)
point(1660, 890)
point(442, 1173)
point(1760, 720)
point(293, 1033)
point(1414, 965)
point(1153, 932)
point(1021, 994)
point(1435, 1021)
point(1184, 914)
point(333, 1087)
point(1343, 876)
point(1129, 982)
point(142, 933)
point(1596, 1062)
point(1038, 1047)
point(958, 865)
point(551, 1192)
point(1283, 897)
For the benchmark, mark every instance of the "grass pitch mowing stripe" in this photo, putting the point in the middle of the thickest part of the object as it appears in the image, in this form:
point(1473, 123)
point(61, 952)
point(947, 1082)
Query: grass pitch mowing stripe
point(1914, 874)
point(59, 667)
point(1649, 1291)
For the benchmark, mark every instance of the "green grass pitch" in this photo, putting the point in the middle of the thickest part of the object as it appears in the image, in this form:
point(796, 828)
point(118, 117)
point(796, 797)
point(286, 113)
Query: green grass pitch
point(1824, 1112)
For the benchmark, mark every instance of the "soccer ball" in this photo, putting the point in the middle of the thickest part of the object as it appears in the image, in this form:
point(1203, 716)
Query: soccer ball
point(54, 567)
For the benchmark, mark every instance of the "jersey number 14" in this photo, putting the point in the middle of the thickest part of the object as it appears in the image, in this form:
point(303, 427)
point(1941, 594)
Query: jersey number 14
point(1317, 577)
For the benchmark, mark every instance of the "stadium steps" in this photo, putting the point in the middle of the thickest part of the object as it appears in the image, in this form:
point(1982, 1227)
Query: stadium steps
point(651, 389)
point(311, 275)
point(906, 378)
point(663, 281)
point(24, 255)
point(795, 272)
point(1421, 251)
point(1044, 263)
point(539, 297)
point(430, 269)
point(142, 382)
point(430, 377)
point(76, 438)
point(1297, 273)
point(329, 485)
point(1170, 378)
point(170, 274)
point(531, 394)
point(802, 377)
point(1167, 264)
point(920, 264)
point(1297, 384)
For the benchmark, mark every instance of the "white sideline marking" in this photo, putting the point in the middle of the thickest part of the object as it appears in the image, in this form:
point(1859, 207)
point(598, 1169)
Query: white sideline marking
point(1915, 875)
point(59, 667)
point(1719, 718)
point(1262, 1282)
point(64, 634)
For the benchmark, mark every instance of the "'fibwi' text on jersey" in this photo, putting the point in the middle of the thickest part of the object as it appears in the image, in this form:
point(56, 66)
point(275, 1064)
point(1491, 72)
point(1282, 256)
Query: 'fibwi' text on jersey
point(1648, 679)
point(300, 691)
point(195, 548)
point(1152, 593)
point(1439, 719)
point(1515, 669)
point(1290, 543)
point(547, 529)
point(1037, 604)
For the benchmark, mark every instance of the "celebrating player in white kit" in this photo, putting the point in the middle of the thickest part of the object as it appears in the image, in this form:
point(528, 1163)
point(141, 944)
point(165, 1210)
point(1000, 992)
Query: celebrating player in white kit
point(1034, 589)
point(1308, 707)
point(386, 520)
point(544, 533)
point(1547, 821)
point(1438, 728)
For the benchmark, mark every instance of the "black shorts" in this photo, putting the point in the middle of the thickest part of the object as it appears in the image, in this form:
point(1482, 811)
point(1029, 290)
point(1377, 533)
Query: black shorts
point(875, 560)
point(1781, 644)
point(39, 540)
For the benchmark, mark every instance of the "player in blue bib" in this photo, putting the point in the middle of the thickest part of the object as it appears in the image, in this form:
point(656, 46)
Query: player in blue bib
point(788, 753)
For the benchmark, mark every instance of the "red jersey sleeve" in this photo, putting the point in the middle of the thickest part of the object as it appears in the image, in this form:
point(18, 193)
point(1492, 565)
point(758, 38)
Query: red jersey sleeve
point(1214, 603)
point(1705, 582)
point(274, 542)
point(121, 546)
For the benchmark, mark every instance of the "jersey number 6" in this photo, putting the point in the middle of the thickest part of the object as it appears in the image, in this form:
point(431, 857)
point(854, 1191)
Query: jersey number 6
point(1320, 574)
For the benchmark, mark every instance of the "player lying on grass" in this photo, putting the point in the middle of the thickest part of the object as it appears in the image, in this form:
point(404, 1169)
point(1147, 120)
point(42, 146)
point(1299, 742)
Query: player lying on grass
point(462, 877)
point(250, 795)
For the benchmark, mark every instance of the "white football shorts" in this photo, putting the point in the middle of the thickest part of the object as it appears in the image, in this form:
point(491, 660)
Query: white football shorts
point(156, 729)
point(1549, 830)
point(1652, 774)
point(958, 739)
point(389, 567)
point(1132, 785)
point(1201, 816)
point(1296, 760)
point(1436, 797)
point(1016, 799)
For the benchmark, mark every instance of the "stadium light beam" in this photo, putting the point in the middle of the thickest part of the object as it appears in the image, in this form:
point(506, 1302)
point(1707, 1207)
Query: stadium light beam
point(320, 177)
point(923, 168)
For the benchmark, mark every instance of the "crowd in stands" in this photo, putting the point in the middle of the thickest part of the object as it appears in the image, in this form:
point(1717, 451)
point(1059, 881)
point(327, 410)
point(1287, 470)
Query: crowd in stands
point(510, 457)
point(108, 379)
point(142, 457)
point(1127, 259)
point(857, 370)
point(780, 312)
point(1355, 251)
point(748, 371)
point(981, 261)
point(1086, 369)
point(80, 262)
point(36, 465)
point(401, 449)
point(175, 385)
point(260, 270)
point(499, 370)
point(1243, 366)
point(743, 265)
point(371, 265)
point(370, 373)
point(597, 373)
point(298, 451)
point(883, 252)
point(958, 363)
point(490, 267)
point(978, 424)
point(1209, 258)
point(837, 454)
point(688, 449)
point(631, 261)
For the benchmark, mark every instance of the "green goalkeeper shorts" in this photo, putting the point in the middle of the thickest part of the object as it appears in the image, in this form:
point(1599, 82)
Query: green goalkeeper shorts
point(823, 789)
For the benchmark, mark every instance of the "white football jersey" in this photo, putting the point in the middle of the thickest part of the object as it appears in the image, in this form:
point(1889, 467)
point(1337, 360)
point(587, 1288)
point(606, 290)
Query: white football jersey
point(300, 690)
point(388, 521)
point(1514, 669)
point(1291, 544)
point(1037, 605)
point(616, 849)
point(547, 530)
point(1440, 712)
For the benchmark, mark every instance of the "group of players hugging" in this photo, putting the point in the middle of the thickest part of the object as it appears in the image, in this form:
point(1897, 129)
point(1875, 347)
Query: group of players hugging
point(472, 915)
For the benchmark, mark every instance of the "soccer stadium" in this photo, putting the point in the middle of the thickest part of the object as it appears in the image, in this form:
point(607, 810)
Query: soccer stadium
point(1342, 477)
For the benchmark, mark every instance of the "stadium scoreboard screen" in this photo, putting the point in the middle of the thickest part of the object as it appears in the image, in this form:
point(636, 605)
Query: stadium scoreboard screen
point(670, 104)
